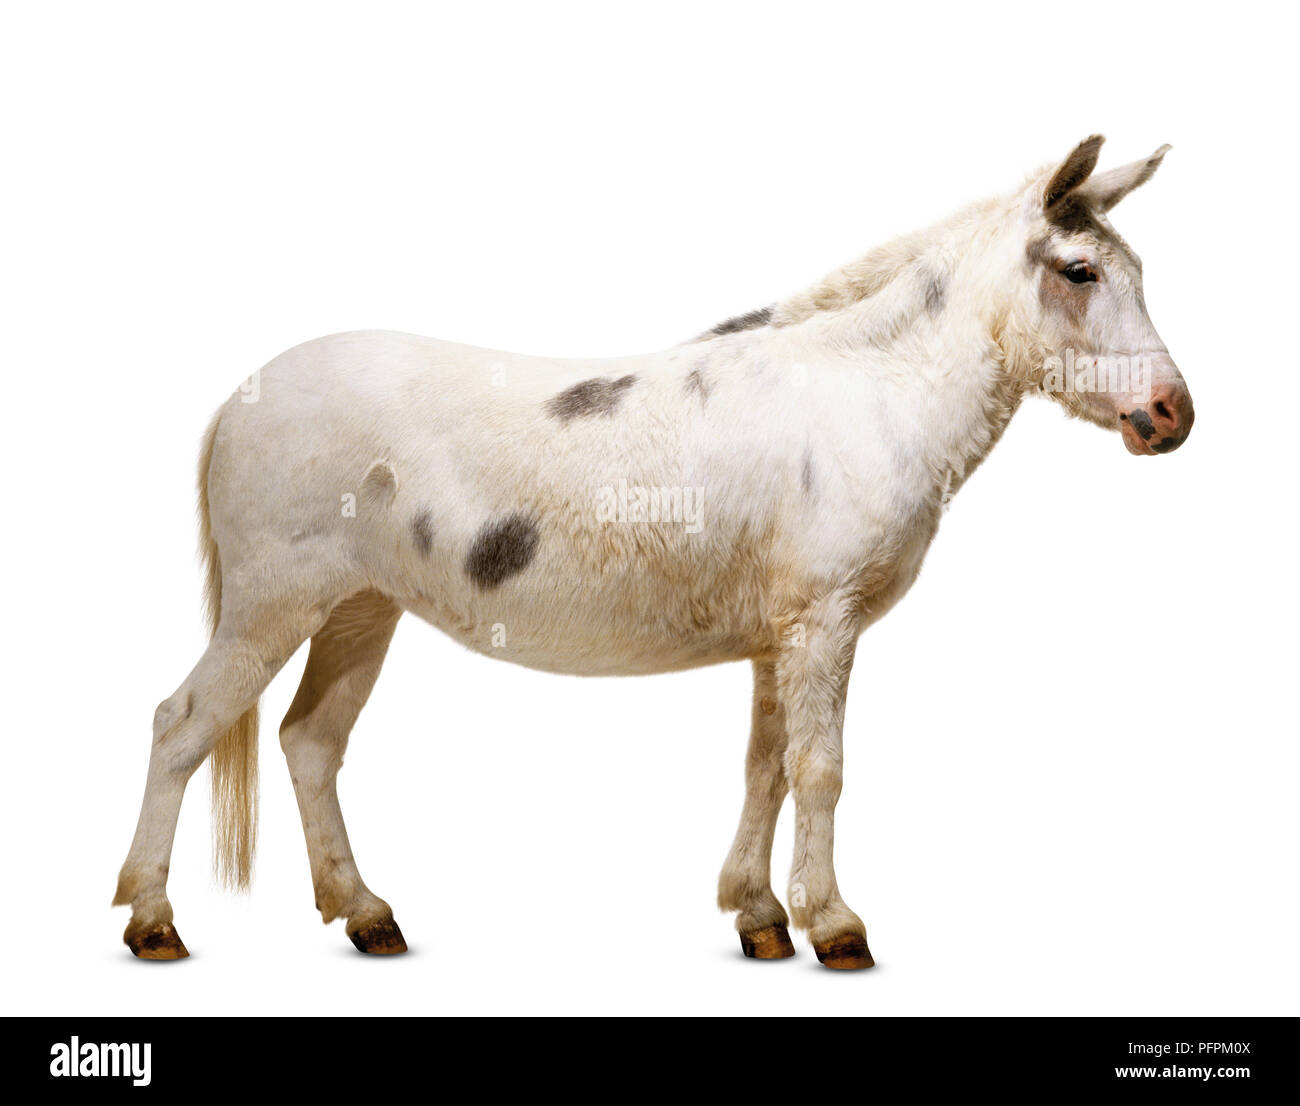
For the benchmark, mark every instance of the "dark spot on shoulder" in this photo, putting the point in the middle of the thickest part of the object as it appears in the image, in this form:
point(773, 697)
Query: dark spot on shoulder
point(422, 532)
point(1142, 423)
point(592, 397)
point(501, 550)
point(936, 292)
point(750, 321)
point(698, 383)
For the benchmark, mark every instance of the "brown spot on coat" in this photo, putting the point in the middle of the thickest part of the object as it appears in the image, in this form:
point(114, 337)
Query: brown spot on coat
point(422, 532)
point(806, 473)
point(750, 321)
point(767, 705)
point(592, 397)
point(936, 292)
point(502, 549)
point(698, 384)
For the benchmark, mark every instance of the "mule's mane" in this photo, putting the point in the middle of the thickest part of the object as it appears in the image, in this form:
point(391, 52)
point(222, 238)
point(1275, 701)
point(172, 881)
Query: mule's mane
point(856, 281)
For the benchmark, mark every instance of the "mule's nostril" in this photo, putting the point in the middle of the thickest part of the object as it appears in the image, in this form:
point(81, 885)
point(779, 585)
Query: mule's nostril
point(1164, 411)
point(1164, 422)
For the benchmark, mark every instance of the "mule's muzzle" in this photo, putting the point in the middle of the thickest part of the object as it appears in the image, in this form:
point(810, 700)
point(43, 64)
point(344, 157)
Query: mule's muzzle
point(1162, 425)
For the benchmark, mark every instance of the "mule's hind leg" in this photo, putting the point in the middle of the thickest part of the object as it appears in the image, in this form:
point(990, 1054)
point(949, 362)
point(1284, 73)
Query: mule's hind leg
point(745, 885)
point(346, 655)
point(245, 653)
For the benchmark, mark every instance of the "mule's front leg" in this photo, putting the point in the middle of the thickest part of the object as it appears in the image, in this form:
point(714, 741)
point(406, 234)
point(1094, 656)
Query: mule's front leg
point(745, 885)
point(812, 679)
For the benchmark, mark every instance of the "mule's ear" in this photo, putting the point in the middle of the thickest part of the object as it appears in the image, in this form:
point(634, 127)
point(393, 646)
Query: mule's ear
point(1073, 171)
point(1106, 189)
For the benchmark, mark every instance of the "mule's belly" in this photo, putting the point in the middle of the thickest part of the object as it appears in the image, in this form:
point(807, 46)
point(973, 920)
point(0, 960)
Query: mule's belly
point(560, 619)
point(604, 649)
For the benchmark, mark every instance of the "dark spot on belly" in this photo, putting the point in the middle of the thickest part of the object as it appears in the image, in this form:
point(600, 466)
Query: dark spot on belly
point(422, 532)
point(501, 550)
point(592, 397)
point(1142, 423)
point(806, 473)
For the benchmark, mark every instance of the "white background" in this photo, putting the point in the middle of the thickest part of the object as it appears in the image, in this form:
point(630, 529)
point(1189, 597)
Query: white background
point(1071, 751)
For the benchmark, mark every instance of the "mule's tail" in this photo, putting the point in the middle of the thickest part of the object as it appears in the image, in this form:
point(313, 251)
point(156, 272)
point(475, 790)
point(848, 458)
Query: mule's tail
point(234, 757)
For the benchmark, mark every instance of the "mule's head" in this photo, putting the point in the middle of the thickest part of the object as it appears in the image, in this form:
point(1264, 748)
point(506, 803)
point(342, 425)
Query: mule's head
point(1103, 360)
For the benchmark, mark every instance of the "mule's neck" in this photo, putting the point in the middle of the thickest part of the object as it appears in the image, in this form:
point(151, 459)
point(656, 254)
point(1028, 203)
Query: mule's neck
point(925, 317)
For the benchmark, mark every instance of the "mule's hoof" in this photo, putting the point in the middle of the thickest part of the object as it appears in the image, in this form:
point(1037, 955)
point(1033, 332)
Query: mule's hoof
point(768, 943)
point(847, 953)
point(160, 942)
point(382, 938)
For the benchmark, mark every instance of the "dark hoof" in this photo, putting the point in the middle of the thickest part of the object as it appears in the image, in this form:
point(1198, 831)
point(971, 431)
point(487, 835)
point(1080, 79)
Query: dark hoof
point(768, 943)
point(382, 938)
point(160, 942)
point(847, 953)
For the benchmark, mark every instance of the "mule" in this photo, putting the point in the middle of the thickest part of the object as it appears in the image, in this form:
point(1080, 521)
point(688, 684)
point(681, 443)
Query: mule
point(763, 492)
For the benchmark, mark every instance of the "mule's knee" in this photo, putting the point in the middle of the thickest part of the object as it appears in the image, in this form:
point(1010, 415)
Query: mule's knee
point(815, 777)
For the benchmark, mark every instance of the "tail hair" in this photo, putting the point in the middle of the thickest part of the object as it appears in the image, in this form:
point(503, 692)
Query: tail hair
point(234, 757)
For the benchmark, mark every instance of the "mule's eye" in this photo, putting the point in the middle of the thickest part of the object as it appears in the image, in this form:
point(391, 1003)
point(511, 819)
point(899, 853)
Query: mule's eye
point(1079, 273)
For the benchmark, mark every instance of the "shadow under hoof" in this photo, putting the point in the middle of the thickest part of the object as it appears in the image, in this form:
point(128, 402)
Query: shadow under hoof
point(381, 938)
point(159, 943)
point(847, 953)
point(768, 943)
